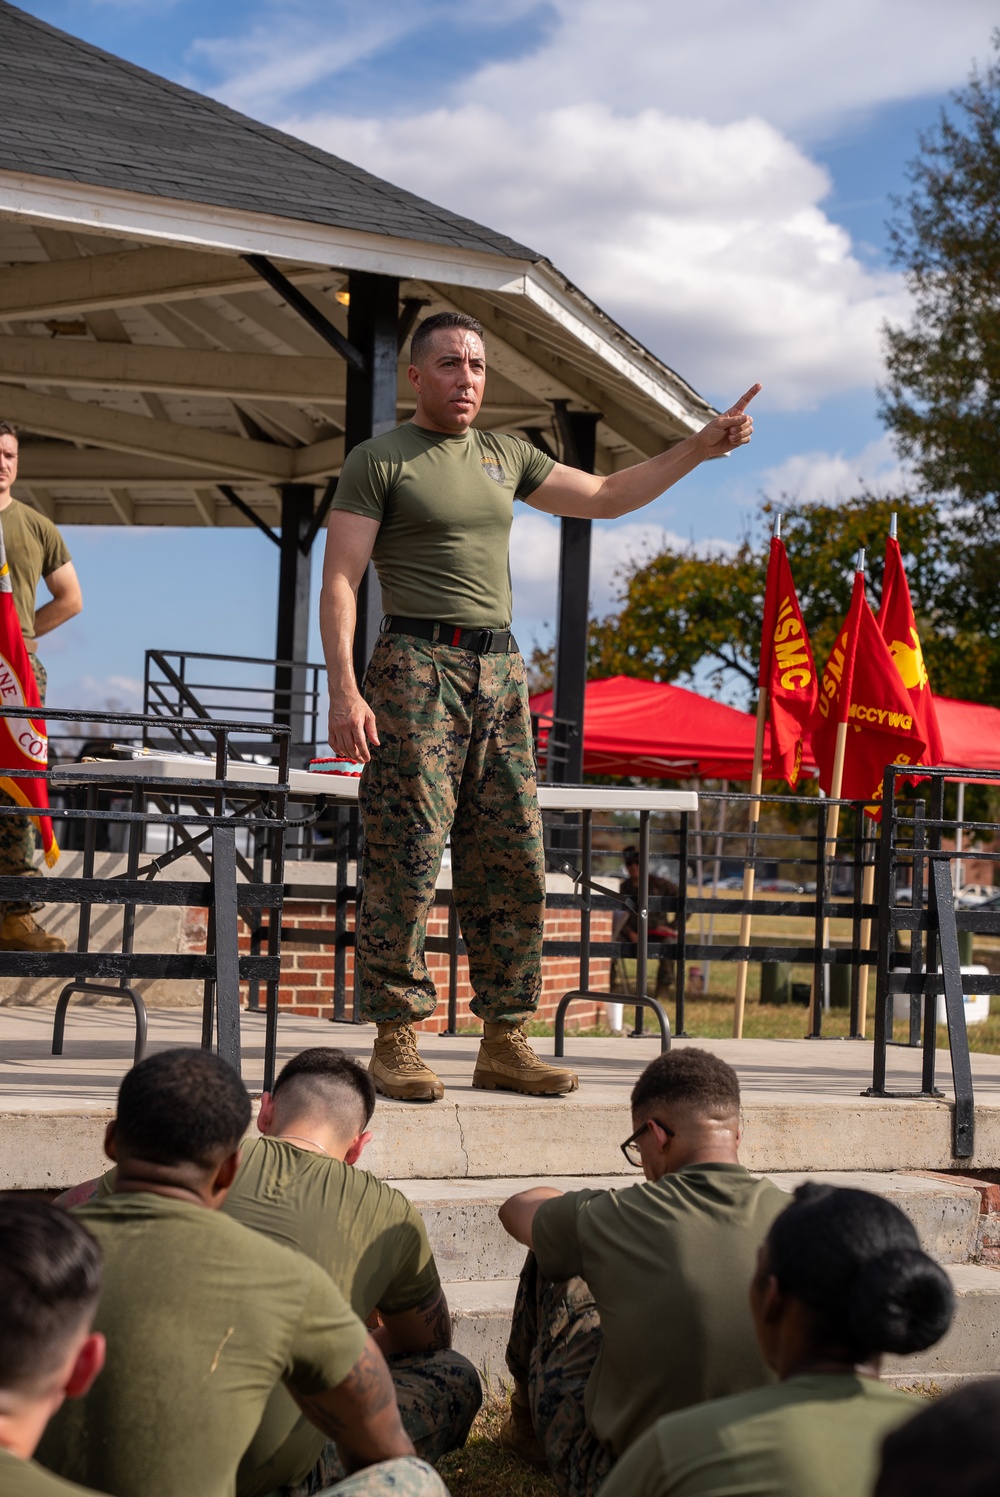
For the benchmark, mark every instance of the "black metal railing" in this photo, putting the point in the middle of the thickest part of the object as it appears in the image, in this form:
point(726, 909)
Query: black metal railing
point(912, 837)
point(216, 800)
point(191, 688)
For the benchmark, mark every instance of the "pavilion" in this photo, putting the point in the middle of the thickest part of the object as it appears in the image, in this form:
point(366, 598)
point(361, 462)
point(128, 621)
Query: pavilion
point(199, 316)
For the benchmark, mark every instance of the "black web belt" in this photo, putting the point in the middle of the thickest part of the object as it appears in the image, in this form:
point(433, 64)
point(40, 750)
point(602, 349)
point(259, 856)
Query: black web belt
point(480, 641)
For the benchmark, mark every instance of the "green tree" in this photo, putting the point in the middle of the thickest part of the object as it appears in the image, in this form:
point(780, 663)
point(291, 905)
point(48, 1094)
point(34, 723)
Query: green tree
point(680, 612)
point(942, 394)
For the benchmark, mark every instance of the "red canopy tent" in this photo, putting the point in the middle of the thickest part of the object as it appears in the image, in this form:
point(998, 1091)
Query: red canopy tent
point(655, 730)
point(970, 733)
point(648, 728)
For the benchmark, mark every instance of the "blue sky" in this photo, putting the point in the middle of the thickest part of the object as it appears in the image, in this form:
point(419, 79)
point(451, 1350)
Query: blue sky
point(718, 180)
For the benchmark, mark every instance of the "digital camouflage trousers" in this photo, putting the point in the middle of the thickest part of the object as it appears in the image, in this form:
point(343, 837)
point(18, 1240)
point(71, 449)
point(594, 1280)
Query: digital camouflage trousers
point(17, 833)
point(406, 1477)
point(439, 1394)
point(555, 1336)
point(456, 757)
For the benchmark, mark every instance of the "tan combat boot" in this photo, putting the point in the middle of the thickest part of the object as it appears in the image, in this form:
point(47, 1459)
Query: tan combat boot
point(397, 1069)
point(23, 933)
point(506, 1062)
point(517, 1432)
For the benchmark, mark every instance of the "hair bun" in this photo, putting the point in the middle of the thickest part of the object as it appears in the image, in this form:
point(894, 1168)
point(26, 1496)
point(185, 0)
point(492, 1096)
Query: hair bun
point(901, 1301)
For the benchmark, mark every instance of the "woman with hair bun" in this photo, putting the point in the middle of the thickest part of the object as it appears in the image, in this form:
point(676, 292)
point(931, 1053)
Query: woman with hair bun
point(840, 1281)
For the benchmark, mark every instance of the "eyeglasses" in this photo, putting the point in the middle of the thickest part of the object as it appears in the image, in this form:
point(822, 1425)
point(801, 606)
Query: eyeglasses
point(630, 1148)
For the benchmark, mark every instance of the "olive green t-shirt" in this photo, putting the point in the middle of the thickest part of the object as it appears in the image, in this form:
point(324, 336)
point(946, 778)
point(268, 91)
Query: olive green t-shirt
point(445, 506)
point(813, 1436)
point(202, 1318)
point(27, 1479)
point(367, 1236)
point(35, 549)
point(669, 1264)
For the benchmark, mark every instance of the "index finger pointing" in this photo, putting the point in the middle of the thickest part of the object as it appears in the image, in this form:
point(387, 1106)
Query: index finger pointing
point(744, 400)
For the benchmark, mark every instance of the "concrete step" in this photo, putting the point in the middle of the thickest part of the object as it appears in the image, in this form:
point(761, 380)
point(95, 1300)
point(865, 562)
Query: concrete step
point(481, 1319)
point(471, 1245)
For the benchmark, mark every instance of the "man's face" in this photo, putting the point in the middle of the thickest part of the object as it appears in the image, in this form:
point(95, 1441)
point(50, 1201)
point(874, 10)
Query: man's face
point(450, 381)
point(8, 463)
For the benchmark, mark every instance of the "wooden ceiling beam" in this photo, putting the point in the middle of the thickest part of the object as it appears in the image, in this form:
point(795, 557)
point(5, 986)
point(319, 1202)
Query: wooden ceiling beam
point(76, 420)
point(123, 279)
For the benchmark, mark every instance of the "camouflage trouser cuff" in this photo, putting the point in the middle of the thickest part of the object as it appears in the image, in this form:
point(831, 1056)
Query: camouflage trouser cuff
point(405, 1477)
point(554, 1341)
point(439, 1395)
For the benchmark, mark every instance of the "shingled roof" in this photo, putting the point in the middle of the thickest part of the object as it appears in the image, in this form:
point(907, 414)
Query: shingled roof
point(72, 111)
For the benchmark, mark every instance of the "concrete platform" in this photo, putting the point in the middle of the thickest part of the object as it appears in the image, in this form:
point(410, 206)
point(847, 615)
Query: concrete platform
point(481, 1315)
point(803, 1109)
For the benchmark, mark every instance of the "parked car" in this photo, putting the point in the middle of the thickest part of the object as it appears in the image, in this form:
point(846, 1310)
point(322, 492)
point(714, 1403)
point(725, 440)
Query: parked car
point(970, 896)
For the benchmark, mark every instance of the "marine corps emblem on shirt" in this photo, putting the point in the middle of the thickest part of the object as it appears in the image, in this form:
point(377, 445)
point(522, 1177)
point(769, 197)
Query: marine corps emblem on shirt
point(493, 469)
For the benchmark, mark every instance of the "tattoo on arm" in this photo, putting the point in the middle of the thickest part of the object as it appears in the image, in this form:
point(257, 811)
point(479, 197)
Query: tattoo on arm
point(435, 1316)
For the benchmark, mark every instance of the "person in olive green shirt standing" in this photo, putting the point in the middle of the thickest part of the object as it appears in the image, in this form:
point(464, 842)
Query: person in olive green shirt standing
point(443, 727)
point(35, 550)
point(50, 1280)
point(633, 1302)
point(204, 1318)
point(840, 1281)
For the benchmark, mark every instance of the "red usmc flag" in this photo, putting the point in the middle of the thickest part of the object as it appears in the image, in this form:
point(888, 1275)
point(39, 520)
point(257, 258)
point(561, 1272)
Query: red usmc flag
point(787, 671)
point(23, 740)
point(899, 630)
point(861, 686)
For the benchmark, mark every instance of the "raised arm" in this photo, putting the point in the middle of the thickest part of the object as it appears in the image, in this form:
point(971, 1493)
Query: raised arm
point(361, 1413)
point(568, 491)
point(349, 542)
point(67, 599)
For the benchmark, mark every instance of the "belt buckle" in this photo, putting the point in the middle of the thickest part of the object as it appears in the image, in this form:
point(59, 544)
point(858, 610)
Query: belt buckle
point(485, 641)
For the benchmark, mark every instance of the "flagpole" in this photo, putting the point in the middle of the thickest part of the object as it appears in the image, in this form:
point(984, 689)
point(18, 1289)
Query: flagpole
point(868, 888)
point(749, 867)
point(836, 785)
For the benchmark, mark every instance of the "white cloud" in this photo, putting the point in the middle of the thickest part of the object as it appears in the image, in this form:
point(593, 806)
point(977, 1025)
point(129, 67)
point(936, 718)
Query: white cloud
point(803, 66)
point(534, 563)
point(832, 476)
point(708, 242)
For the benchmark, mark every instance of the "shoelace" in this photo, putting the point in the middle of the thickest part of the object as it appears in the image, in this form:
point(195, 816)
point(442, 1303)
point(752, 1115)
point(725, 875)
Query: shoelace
point(517, 1041)
point(404, 1050)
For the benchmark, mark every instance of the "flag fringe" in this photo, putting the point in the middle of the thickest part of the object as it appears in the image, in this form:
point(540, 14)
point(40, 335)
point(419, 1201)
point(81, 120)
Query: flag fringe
point(16, 793)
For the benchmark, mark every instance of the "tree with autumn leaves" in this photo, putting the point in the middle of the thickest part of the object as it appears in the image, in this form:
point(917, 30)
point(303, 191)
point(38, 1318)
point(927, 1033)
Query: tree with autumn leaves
point(681, 612)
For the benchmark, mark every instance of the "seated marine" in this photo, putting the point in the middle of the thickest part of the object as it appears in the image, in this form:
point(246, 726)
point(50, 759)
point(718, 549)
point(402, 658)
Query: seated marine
point(204, 1318)
point(296, 1184)
point(50, 1280)
point(952, 1446)
point(841, 1280)
point(633, 1302)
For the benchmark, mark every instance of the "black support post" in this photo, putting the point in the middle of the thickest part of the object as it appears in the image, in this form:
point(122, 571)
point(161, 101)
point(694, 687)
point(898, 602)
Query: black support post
point(565, 762)
point(373, 329)
point(294, 579)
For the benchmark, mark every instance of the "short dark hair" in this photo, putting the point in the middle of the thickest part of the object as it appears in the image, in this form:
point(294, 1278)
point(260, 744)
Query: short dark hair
point(630, 855)
point(854, 1259)
point(688, 1078)
point(431, 325)
point(8, 429)
point(326, 1076)
point(50, 1280)
point(182, 1107)
point(951, 1446)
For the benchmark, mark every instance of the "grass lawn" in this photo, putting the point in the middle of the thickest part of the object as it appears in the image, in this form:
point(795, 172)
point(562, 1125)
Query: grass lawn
point(482, 1469)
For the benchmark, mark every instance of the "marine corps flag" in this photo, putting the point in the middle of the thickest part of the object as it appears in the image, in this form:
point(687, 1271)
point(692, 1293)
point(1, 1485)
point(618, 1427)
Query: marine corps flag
point(899, 630)
point(23, 740)
point(787, 671)
point(862, 694)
